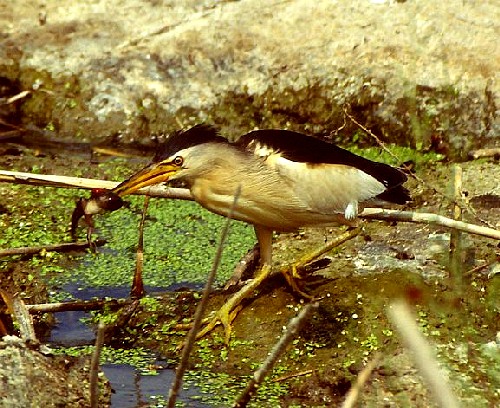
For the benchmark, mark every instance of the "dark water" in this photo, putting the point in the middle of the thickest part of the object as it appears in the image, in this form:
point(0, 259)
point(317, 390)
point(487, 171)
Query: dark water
point(131, 389)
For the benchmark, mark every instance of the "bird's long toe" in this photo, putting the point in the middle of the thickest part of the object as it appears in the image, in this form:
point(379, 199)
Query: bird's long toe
point(228, 312)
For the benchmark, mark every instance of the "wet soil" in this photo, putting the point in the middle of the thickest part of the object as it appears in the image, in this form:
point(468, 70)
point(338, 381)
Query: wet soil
point(389, 261)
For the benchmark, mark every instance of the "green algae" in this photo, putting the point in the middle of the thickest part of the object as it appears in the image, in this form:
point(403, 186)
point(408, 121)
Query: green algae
point(180, 240)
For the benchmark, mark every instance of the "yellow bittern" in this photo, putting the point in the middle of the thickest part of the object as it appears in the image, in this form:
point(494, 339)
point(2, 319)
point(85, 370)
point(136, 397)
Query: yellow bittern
point(286, 180)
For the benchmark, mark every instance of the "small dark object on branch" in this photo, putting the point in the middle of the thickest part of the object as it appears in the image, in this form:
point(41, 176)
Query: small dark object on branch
point(100, 200)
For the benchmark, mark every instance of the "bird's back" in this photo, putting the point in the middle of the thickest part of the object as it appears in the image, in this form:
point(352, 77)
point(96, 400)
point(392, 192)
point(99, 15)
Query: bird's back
point(302, 149)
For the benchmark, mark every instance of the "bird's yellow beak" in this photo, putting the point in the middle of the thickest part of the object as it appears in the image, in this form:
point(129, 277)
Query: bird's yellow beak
point(155, 173)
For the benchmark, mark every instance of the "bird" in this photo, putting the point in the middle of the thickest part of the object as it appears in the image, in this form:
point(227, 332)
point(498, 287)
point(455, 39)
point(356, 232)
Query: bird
point(285, 180)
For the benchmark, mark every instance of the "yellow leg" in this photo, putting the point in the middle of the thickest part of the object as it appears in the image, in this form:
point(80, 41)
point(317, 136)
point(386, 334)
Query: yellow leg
point(292, 274)
point(227, 313)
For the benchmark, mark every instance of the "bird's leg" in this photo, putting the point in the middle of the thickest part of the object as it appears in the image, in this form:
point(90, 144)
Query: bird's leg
point(291, 273)
point(227, 313)
point(230, 309)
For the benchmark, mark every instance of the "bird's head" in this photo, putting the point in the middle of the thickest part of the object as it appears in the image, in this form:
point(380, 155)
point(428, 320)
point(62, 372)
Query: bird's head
point(185, 154)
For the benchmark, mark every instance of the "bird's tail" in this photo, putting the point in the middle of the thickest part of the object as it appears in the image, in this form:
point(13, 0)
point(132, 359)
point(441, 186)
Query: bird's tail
point(396, 194)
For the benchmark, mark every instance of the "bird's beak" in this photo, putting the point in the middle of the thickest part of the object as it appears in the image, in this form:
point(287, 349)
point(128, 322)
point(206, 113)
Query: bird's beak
point(153, 174)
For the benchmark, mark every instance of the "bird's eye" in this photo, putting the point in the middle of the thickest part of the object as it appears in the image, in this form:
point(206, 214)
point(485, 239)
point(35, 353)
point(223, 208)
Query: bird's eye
point(178, 161)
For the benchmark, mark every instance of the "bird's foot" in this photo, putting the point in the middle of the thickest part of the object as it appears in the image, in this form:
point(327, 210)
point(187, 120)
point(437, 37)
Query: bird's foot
point(292, 274)
point(293, 277)
point(228, 312)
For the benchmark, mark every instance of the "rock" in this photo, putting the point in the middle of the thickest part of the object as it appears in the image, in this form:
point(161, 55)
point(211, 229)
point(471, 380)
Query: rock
point(418, 73)
point(29, 378)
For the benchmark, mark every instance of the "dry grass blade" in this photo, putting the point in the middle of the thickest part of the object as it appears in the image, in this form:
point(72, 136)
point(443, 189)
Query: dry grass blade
point(259, 375)
point(400, 314)
point(200, 310)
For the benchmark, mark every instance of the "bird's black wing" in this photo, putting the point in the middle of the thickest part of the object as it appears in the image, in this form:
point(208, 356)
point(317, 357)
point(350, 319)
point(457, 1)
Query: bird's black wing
point(306, 149)
point(184, 139)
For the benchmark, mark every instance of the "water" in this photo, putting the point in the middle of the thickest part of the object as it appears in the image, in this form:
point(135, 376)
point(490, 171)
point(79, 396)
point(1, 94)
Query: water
point(131, 389)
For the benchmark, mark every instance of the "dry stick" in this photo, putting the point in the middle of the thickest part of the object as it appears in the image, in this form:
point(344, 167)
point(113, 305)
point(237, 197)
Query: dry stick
point(455, 260)
point(401, 316)
point(21, 315)
point(293, 375)
point(428, 218)
point(184, 194)
point(12, 99)
point(476, 154)
point(86, 183)
point(79, 305)
point(200, 310)
point(353, 394)
point(69, 246)
point(259, 375)
point(94, 366)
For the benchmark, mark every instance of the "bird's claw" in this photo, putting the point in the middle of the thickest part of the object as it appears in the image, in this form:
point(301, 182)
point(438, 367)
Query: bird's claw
point(224, 316)
point(292, 276)
point(228, 312)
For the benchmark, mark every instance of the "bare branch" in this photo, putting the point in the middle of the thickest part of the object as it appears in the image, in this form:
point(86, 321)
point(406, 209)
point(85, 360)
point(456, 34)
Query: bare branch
point(477, 154)
point(64, 247)
point(259, 375)
point(184, 194)
point(48, 180)
point(428, 218)
point(79, 305)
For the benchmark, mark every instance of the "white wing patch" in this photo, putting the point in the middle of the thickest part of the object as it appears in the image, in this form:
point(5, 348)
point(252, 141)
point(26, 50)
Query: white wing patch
point(327, 188)
point(260, 149)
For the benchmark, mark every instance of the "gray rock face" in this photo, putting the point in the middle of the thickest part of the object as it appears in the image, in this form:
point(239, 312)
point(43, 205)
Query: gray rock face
point(422, 73)
point(31, 379)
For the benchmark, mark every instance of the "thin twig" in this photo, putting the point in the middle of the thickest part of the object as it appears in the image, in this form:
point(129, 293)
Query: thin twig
point(479, 268)
point(65, 247)
point(379, 142)
point(200, 310)
point(400, 314)
point(259, 375)
point(94, 366)
point(428, 218)
point(15, 98)
point(293, 375)
point(353, 394)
